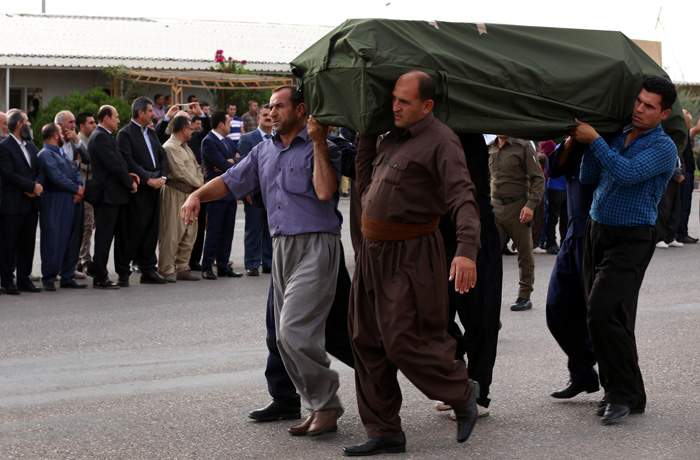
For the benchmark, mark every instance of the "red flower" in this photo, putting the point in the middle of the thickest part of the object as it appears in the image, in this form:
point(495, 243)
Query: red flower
point(219, 57)
point(244, 62)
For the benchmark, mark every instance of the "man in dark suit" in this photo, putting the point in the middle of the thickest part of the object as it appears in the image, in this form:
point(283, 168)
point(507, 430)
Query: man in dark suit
point(217, 157)
point(257, 242)
point(108, 191)
point(19, 209)
point(61, 211)
point(145, 157)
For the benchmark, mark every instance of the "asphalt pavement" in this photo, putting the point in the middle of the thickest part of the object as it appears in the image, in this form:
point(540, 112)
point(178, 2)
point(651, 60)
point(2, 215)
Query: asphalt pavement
point(170, 372)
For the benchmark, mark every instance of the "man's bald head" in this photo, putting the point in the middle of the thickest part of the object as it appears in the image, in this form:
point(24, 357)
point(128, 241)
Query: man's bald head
point(413, 98)
point(424, 82)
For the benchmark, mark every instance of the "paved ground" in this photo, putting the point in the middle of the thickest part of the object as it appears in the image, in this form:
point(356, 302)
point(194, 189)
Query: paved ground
point(170, 372)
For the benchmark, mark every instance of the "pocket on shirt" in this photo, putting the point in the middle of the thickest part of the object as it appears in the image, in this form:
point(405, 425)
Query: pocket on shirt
point(298, 180)
point(393, 172)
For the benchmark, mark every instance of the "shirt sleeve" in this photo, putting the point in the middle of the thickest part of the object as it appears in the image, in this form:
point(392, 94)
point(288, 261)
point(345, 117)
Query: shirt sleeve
point(654, 159)
point(459, 194)
point(535, 177)
point(590, 168)
point(242, 179)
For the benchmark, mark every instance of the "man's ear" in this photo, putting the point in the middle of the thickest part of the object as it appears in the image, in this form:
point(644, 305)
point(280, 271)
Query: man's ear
point(428, 106)
point(665, 114)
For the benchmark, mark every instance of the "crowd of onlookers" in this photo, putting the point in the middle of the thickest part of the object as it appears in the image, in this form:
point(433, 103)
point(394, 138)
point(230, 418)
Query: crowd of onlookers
point(97, 181)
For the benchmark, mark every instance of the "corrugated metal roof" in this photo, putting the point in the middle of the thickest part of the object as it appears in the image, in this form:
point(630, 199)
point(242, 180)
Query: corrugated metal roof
point(98, 42)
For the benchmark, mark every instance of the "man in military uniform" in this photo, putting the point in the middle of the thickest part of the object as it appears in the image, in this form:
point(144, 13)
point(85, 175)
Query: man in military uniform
point(517, 187)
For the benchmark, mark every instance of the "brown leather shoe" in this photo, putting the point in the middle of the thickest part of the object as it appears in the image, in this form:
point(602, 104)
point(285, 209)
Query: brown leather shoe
point(301, 429)
point(187, 275)
point(325, 421)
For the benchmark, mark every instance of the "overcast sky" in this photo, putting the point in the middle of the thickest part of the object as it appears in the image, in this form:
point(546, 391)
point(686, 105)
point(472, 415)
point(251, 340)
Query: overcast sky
point(675, 23)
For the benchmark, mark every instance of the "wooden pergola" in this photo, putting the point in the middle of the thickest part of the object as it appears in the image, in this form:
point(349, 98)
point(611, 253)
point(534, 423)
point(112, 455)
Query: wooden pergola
point(178, 79)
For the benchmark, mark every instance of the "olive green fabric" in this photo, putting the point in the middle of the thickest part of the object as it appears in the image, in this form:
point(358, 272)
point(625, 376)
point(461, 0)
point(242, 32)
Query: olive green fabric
point(528, 82)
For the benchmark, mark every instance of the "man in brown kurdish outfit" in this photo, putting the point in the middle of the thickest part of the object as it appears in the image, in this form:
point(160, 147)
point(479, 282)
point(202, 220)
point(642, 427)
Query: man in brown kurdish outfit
point(399, 306)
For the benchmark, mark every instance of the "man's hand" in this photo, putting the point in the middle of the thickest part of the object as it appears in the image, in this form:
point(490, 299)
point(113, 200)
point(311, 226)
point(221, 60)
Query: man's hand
point(249, 199)
point(81, 190)
point(190, 210)
point(584, 133)
point(70, 136)
point(526, 215)
point(172, 111)
point(317, 132)
point(135, 178)
point(38, 189)
point(463, 272)
point(679, 178)
point(196, 109)
point(155, 182)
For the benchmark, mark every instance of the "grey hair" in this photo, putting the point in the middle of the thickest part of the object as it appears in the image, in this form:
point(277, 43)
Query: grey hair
point(61, 116)
point(15, 117)
point(140, 104)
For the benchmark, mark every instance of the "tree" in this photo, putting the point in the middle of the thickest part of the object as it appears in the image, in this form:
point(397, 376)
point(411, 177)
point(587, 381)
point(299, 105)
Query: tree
point(77, 102)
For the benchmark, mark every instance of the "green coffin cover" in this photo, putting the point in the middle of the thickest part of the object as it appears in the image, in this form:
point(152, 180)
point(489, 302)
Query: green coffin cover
point(528, 82)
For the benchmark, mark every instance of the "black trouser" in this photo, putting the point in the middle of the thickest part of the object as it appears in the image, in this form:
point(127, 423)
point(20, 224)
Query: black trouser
point(686, 204)
point(17, 240)
point(221, 220)
point(138, 233)
point(479, 311)
point(566, 311)
point(556, 212)
point(106, 218)
point(279, 384)
point(614, 262)
point(196, 255)
point(669, 213)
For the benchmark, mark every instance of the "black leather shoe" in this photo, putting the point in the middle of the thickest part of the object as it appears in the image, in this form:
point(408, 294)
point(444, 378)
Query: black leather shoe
point(252, 272)
point(123, 281)
point(277, 410)
point(521, 304)
point(374, 446)
point(688, 240)
point(228, 273)
point(152, 277)
point(614, 413)
point(208, 274)
point(72, 284)
point(467, 419)
point(105, 284)
point(574, 388)
point(196, 267)
point(266, 270)
point(28, 286)
point(602, 404)
point(49, 286)
point(10, 290)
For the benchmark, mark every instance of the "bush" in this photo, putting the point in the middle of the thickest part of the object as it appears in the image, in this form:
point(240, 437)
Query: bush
point(77, 102)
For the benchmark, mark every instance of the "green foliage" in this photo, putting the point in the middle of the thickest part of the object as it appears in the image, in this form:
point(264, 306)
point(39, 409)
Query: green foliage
point(689, 101)
point(238, 97)
point(77, 102)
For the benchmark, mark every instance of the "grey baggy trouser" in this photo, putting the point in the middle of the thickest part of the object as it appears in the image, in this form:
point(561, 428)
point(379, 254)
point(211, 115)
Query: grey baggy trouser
point(304, 275)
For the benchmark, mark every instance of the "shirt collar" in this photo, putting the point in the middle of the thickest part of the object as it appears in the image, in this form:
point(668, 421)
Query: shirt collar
point(218, 136)
point(143, 128)
point(102, 126)
point(415, 129)
point(263, 133)
point(303, 135)
point(53, 148)
point(20, 142)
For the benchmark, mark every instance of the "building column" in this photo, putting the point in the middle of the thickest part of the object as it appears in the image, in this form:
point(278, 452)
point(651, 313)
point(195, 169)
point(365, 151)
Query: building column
point(7, 89)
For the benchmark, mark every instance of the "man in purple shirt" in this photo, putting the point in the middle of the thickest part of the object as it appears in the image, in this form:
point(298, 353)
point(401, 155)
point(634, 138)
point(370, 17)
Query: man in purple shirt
point(297, 174)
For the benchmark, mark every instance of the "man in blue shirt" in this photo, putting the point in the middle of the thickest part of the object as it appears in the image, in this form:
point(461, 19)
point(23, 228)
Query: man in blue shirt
point(297, 174)
point(61, 212)
point(630, 175)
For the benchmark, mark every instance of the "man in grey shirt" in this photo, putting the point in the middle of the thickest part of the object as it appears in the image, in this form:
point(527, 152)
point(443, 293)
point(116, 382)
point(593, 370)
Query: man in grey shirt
point(297, 173)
